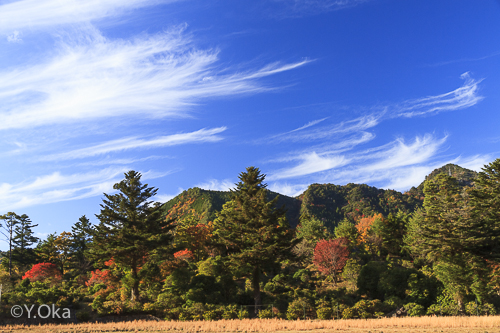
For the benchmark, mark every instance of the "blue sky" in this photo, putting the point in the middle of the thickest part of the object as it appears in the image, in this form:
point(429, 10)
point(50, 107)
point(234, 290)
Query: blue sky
point(192, 92)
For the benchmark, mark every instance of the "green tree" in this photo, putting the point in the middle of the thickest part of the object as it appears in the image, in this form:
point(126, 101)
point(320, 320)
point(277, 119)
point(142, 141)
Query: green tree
point(23, 254)
point(484, 240)
point(11, 221)
point(47, 251)
point(81, 238)
point(443, 234)
point(131, 227)
point(255, 233)
point(391, 232)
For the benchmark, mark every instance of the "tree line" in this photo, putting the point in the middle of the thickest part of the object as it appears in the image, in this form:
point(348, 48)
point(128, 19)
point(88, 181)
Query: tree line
point(443, 258)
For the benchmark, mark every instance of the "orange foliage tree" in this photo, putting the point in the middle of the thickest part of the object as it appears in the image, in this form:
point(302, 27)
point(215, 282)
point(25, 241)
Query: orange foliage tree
point(330, 256)
point(364, 227)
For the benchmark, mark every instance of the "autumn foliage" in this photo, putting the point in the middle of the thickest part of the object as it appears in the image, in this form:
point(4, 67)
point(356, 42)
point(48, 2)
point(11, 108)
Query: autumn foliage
point(364, 226)
point(184, 255)
point(330, 256)
point(43, 271)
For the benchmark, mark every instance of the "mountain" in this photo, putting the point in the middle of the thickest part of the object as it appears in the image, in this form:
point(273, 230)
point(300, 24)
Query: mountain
point(327, 202)
point(332, 203)
point(202, 204)
point(464, 176)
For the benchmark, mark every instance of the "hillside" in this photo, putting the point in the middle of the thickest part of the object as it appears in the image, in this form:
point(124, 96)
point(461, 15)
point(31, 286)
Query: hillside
point(202, 204)
point(327, 202)
point(332, 203)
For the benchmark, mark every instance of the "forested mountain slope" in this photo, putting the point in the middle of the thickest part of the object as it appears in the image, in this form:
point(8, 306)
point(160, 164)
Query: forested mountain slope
point(328, 202)
point(203, 204)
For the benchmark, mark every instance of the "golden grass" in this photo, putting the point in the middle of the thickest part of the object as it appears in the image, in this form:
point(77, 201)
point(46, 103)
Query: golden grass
point(422, 324)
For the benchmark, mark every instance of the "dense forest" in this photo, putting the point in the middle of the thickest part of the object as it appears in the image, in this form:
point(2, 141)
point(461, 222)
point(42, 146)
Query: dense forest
point(333, 252)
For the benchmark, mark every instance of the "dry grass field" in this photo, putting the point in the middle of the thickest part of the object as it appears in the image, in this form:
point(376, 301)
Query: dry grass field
point(423, 324)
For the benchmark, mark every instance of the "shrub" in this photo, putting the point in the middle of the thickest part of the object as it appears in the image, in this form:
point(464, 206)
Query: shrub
point(296, 308)
point(243, 314)
point(414, 310)
point(324, 313)
point(391, 303)
point(210, 315)
point(43, 271)
point(472, 309)
point(266, 314)
point(230, 312)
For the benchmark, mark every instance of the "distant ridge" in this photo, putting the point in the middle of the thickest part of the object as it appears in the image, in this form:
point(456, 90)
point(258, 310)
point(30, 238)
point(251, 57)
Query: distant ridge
point(327, 202)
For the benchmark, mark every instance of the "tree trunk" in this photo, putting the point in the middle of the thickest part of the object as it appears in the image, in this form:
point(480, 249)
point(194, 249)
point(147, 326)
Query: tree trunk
point(256, 288)
point(135, 287)
point(10, 249)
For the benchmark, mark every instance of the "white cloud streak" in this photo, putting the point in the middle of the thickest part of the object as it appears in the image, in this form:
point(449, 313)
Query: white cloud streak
point(311, 163)
point(296, 8)
point(217, 185)
point(460, 98)
point(57, 187)
point(91, 77)
point(40, 14)
point(202, 135)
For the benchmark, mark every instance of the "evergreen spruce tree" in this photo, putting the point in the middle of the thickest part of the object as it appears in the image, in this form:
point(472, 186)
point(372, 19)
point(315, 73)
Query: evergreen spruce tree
point(47, 251)
point(444, 238)
point(485, 222)
point(23, 254)
point(255, 234)
point(131, 228)
point(9, 226)
point(81, 238)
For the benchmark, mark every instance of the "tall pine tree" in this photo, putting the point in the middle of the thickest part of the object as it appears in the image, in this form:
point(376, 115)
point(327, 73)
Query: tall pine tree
point(23, 255)
point(81, 237)
point(11, 220)
point(131, 227)
point(485, 222)
point(255, 234)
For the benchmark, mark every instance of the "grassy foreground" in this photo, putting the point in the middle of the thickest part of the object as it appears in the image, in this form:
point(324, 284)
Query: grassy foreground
point(420, 324)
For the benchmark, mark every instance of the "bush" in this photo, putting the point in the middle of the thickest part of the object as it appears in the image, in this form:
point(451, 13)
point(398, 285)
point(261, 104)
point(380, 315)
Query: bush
point(414, 310)
point(296, 308)
point(243, 314)
point(266, 314)
point(210, 315)
point(472, 309)
point(324, 313)
point(391, 303)
point(230, 312)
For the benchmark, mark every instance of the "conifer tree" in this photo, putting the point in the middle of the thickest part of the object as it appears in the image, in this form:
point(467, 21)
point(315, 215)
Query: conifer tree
point(131, 227)
point(81, 237)
point(23, 254)
point(11, 220)
point(255, 233)
point(485, 223)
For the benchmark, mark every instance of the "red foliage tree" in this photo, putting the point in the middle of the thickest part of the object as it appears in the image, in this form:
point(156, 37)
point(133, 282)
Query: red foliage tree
point(184, 255)
point(330, 256)
point(42, 272)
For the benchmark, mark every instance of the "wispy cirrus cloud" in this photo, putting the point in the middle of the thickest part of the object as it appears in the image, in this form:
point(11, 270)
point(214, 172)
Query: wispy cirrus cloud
point(217, 185)
point(294, 8)
point(202, 135)
point(150, 76)
point(38, 14)
point(57, 187)
point(398, 164)
point(465, 96)
point(460, 98)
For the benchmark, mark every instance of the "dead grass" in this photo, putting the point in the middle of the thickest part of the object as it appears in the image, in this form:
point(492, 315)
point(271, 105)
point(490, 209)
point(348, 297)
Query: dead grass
point(423, 324)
